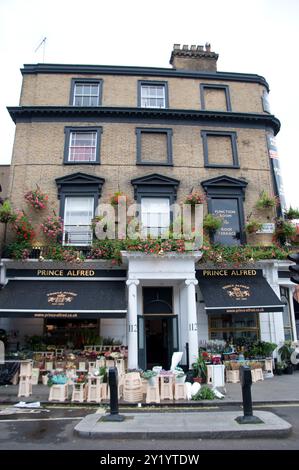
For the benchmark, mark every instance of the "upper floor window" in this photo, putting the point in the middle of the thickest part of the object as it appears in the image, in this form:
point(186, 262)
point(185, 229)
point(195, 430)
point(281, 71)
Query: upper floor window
point(85, 92)
point(220, 149)
point(154, 146)
point(152, 94)
point(82, 145)
point(215, 97)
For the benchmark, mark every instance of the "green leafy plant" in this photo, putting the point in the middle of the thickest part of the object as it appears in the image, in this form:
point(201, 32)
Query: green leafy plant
point(200, 367)
point(291, 213)
point(211, 223)
point(266, 201)
point(148, 374)
point(284, 230)
point(7, 215)
point(285, 351)
point(205, 393)
point(253, 226)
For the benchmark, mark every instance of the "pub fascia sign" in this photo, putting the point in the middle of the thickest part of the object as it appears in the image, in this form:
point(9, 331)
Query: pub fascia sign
point(228, 272)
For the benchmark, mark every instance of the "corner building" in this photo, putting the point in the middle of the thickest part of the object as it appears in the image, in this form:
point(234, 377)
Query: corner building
point(84, 132)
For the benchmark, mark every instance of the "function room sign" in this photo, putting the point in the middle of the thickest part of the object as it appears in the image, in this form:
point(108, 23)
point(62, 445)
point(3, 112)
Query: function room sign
point(228, 211)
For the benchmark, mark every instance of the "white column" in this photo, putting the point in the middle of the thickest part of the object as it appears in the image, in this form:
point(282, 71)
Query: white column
point(292, 311)
point(132, 324)
point(192, 320)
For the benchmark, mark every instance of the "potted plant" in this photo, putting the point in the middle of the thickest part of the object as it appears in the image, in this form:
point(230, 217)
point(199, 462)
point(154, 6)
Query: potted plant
point(36, 198)
point(284, 230)
point(199, 369)
point(150, 376)
point(285, 352)
point(291, 213)
point(179, 374)
point(52, 227)
point(280, 367)
point(211, 223)
point(266, 201)
point(195, 197)
point(253, 226)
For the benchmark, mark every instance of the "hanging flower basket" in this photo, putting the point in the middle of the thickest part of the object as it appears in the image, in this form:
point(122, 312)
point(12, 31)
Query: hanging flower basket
point(194, 198)
point(52, 227)
point(36, 198)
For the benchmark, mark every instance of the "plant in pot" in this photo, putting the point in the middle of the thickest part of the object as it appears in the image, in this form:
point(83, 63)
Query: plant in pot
point(285, 352)
point(266, 201)
point(280, 367)
point(291, 213)
point(179, 374)
point(199, 369)
point(284, 230)
point(150, 376)
point(211, 224)
point(253, 226)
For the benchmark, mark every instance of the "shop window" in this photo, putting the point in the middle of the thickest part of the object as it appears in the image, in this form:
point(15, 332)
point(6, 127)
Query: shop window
point(154, 146)
point(215, 97)
point(229, 327)
point(220, 149)
point(286, 314)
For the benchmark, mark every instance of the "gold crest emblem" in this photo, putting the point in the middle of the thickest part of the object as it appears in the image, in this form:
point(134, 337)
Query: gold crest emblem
point(237, 291)
point(60, 298)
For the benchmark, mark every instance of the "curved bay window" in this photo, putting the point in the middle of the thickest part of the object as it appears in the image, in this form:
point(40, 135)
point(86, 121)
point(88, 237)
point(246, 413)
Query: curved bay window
point(229, 327)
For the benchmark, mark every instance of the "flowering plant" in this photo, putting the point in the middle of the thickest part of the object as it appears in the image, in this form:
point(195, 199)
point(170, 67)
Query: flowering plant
point(80, 379)
point(36, 198)
point(23, 228)
point(52, 226)
point(194, 198)
point(114, 201)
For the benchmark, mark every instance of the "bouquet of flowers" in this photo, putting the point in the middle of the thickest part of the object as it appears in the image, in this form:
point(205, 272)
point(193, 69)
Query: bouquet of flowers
point(36, 198)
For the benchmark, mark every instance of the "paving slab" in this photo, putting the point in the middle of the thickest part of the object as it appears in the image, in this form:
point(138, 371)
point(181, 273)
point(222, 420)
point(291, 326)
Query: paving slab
point(180, 425)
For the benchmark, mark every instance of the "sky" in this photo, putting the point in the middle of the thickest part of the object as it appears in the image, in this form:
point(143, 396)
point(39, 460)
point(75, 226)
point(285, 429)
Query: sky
point(250, 36)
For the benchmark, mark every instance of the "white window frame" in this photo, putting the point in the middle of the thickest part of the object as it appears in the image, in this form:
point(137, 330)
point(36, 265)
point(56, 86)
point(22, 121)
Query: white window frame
point(92, 146)
point(86, 94)
point(155, 216)
point(149, 96)
point(74, 232)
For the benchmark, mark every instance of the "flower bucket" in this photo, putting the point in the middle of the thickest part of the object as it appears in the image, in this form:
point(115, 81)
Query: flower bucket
point(152, 381)
point(180, 380)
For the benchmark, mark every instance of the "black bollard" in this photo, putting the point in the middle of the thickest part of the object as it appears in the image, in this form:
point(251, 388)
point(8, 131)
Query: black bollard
point(246, 382)
point(112, 382)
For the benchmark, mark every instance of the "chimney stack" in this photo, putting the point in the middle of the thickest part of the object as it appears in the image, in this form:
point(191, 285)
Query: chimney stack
point(194, 58)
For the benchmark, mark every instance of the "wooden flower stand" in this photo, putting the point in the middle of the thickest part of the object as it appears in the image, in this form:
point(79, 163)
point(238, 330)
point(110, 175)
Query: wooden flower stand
point(215, 375)
point(257, 374)
point(268, 372)
point(233, 376)
point(94, 390)
point(166, 387)
point(58, 392)
point(35, 376)
point(25, 386)
point(180, 391)
point(100, 363)
point(132, 391)
point(152, 392)
point(79, 392)
point(92, 367)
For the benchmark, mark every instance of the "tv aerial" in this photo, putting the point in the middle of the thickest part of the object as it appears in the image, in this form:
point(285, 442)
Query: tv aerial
point(43, 45)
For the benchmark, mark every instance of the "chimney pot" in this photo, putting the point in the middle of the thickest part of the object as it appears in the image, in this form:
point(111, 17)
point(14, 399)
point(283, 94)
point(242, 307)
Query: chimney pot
point(208, 47)
point(200, 48)
point(176, 47)
point(193, 47)
point(185, 47)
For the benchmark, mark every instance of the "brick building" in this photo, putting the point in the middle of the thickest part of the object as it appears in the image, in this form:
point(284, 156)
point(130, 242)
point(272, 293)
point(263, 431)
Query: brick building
point(84, 132)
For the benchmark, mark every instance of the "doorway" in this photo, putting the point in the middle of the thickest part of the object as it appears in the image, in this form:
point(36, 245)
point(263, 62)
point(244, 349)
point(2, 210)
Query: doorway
point(158, 337)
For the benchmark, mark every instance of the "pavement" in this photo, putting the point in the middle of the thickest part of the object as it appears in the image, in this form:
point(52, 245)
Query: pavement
point(278, 389)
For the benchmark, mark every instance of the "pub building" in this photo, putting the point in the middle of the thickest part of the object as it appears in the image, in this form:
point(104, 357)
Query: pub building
point(157, 135)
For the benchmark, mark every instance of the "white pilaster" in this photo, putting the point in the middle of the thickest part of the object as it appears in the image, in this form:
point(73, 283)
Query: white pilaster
point(192, 320)
point(132, 324)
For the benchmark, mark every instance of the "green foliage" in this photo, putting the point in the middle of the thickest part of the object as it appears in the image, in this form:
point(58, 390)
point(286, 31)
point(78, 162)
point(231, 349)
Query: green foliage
point(211, 223)
point(6, 213)
point(253, 226)
point(265, 201)
point(284, 230)
point(285, 352)
point(200, 368)
point(291, 213)
point(205, 393)
point(262, 349)
point(19, 250)
point(148, 374)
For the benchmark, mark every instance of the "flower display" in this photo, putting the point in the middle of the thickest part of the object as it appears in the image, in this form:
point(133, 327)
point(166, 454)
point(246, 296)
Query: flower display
point(52, 227)
point(23, 227)
point(36, 198)
point(114, 200)
point(194, 198)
